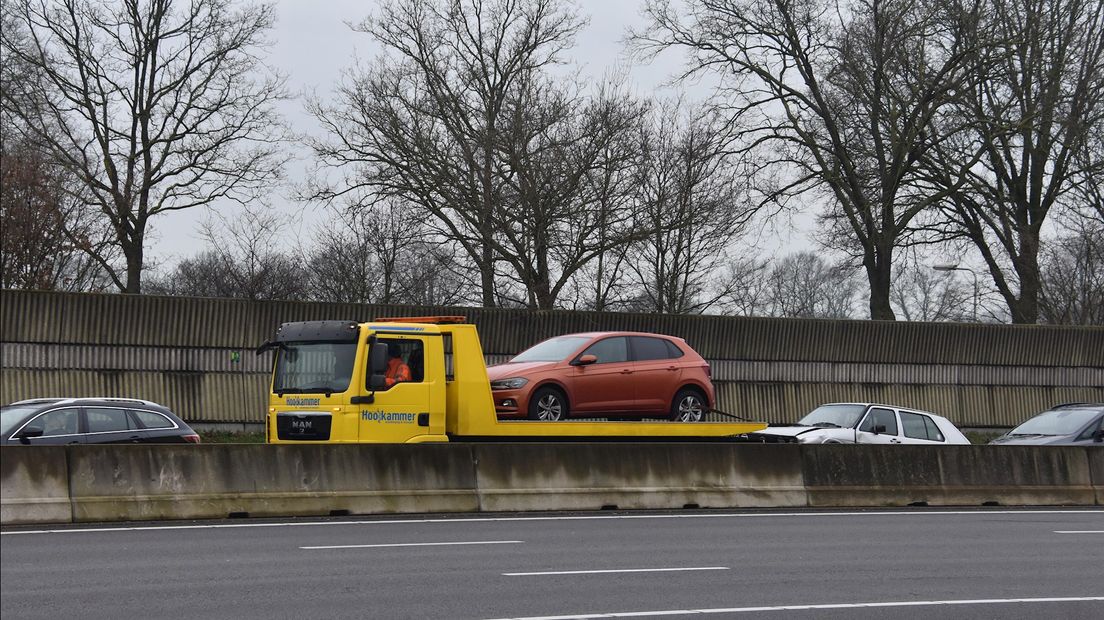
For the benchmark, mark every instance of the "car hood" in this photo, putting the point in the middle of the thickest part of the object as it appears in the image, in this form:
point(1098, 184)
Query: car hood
point(788, 431)
point(1033, 440)
point(519, 369)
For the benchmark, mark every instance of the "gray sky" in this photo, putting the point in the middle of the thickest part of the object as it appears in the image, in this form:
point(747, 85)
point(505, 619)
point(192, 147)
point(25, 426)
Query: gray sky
point(312, 45)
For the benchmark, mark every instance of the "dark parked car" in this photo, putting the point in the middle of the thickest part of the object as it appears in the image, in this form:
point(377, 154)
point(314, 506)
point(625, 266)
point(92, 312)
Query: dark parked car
point(60, 421)
point(1074, 424)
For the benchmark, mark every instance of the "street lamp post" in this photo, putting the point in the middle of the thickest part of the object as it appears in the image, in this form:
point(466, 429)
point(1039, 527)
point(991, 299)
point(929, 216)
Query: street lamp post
point(956, 267)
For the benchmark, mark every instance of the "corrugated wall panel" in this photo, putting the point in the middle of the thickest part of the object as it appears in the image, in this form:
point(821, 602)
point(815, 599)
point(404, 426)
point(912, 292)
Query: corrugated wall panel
point(30, 316)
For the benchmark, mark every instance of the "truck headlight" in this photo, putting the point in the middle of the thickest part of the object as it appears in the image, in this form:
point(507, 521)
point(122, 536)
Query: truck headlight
point(512, 383)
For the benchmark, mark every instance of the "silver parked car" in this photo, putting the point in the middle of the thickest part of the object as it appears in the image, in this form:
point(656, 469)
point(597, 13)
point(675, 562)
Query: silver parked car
point(865, 423)
point(1073, 424)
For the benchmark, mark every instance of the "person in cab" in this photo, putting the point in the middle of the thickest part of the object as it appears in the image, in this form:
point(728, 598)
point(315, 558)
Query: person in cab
point(397, 370)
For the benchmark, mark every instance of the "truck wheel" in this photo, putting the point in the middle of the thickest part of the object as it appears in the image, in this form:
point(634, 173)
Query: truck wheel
point(688, 406)
point(547, 404)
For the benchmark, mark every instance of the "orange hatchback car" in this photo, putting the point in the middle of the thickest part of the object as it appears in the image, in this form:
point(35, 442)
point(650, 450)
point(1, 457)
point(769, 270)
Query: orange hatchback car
point(604, 374)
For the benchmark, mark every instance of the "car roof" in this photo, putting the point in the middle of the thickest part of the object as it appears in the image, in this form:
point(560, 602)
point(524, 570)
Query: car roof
point(888, 406)
point(604, 334)
point(84, 400)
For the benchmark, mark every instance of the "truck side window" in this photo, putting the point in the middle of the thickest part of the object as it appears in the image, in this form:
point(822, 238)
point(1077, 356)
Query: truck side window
point(406, 361)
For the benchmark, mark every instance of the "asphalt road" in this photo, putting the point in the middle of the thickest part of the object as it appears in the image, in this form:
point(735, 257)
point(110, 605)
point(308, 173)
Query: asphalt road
point(916, 563)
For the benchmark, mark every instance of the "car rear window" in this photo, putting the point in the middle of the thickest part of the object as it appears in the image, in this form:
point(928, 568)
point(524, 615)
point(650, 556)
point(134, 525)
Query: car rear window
point(919, 426)
point(645, 349)
point(102, 420)
point(149, 419)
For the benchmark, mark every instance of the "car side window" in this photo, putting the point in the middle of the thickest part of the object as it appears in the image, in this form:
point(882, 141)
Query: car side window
point(104, 420)
point(919, 426)
point(880, 417)
point(1091, 430)
point(672, 350)
point(152, 420)
point(645, 349)
point(934, 433)
point(609, 350)
point(57, 422)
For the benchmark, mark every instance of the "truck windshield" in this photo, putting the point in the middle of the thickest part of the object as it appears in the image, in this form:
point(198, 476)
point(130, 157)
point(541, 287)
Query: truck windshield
point(837, 416)
point(314, 367)
point(551, 350)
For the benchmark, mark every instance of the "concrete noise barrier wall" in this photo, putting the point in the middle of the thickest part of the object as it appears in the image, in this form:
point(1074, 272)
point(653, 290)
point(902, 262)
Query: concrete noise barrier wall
point(159, 482)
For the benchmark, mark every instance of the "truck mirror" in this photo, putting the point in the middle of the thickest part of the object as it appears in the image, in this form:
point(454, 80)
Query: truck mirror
point(377, 358)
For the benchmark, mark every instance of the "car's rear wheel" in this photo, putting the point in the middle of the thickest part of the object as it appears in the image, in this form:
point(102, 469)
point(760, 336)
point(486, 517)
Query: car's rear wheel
point(548, 405)
point(688, 406)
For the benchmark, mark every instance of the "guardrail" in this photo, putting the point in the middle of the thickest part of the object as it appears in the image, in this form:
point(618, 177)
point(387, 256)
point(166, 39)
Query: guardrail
point(77, 484)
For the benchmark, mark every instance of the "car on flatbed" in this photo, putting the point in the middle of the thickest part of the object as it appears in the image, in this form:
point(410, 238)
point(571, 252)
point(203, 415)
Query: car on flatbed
point(64, 421)
point(604, 375)
point(864, 423)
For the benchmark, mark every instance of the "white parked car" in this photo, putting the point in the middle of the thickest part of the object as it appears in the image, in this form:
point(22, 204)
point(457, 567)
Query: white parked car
point(865, 423)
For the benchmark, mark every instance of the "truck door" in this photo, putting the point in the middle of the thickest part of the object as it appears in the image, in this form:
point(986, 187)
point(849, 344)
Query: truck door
point(400, 408)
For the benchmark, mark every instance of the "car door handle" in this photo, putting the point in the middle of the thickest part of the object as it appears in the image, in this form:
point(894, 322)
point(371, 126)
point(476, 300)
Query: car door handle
point(672, 368)
point(626, 372)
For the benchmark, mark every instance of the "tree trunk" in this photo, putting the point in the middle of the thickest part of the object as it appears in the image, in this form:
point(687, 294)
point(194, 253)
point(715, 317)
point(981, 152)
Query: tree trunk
point(879, 271)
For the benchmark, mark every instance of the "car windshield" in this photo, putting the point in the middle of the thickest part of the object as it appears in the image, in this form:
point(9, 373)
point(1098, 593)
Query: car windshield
point(1057, 422)
point(314, 367)
point(11, 415)
point(551, 350)
point(840, 416)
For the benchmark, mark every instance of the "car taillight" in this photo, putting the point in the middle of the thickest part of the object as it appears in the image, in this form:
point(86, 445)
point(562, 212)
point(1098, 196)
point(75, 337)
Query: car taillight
point(193, 438)
point(708, 371)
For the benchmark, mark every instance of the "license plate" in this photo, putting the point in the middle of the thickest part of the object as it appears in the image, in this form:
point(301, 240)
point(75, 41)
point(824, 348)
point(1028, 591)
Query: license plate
point(303, 426)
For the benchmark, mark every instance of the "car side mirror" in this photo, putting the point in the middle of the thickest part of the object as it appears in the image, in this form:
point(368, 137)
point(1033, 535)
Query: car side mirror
point(586, 360)
point(1098, 436)
point(29, 432)
point(879, 428)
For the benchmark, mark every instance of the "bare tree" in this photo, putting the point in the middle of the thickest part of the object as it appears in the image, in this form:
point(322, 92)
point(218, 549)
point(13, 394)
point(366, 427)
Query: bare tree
point(44, 235)
point(922, 294)
point(1031, 120)
point(384, 253)
point(1072, 278)
point(152, 106)
point(242, 260)
point(558, 212)
point(693, 204)
point(847, 95)
point(424, 125)
point(803, 285)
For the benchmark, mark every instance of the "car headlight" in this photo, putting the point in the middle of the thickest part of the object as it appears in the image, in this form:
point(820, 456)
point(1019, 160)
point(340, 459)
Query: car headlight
point(512, 383)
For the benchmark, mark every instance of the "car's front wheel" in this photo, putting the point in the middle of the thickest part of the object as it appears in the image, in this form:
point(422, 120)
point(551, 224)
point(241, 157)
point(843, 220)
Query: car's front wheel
point(548, 405)
point(688, 406)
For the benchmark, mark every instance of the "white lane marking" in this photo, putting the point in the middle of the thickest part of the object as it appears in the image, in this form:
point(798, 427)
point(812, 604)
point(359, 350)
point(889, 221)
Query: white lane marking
point(422, 544)
point(616, 570)
point(1079, 531)
point(730, 610)
point(769, 515)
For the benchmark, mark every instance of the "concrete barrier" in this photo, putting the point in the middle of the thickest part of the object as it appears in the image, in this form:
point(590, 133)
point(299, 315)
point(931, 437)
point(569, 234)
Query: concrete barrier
point(133, 483)
point(158, 482)
point(592, 476)
point(34, 485)
point(847, 475)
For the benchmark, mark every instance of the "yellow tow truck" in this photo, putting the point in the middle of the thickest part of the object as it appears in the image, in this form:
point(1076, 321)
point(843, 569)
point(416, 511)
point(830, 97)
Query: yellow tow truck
point(329, 386)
